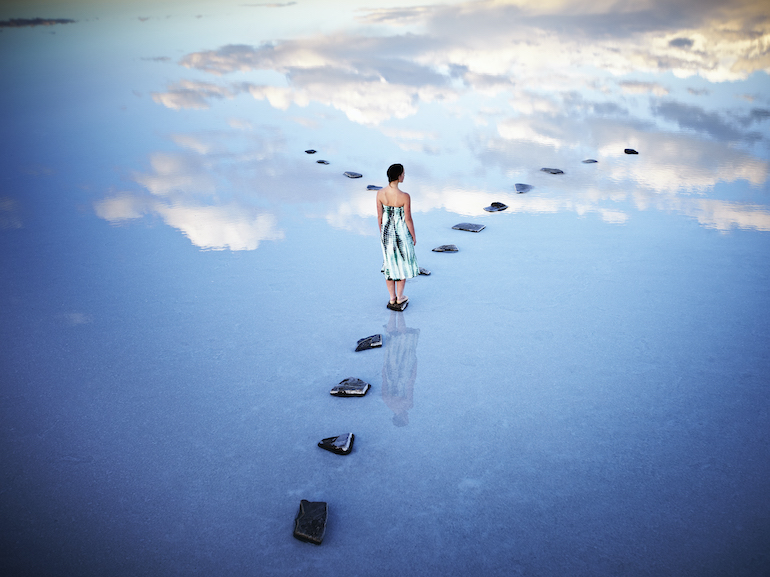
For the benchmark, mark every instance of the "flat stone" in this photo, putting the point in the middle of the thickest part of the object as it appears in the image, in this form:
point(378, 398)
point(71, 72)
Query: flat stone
point(340, 445)
point(322, 161)
point(310, 523)
point(630, 151)
point(424, 271)
point(520, 188)
point(589, 161)
point(371, 342)
point(350, 387)
point(353, 175)
point(445, 248)
point(311, 151)
point(552, 170)
point(496, 207)
point(397, 307)
point(470, 227)
point(373, 187)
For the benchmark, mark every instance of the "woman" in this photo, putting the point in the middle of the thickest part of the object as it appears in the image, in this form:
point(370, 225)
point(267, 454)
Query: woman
point(394, 215)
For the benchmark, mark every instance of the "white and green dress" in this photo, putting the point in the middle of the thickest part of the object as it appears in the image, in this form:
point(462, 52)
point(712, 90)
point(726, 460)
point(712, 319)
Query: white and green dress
point(399, 260)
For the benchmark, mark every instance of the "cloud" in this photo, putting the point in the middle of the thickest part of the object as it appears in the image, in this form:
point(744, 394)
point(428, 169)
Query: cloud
point(191, 94)
point(30, 22)
point(711, 123)
point(633, 87)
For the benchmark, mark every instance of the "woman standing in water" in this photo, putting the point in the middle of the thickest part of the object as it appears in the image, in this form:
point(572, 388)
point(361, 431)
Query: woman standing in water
point(394, 215)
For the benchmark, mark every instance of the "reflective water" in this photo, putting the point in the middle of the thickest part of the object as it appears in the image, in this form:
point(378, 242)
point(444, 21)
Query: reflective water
point(581, 389)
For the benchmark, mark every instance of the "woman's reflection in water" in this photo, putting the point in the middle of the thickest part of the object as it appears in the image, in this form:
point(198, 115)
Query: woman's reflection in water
point(399, 369)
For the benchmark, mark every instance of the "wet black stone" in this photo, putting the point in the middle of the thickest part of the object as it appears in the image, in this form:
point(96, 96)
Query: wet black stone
point(470, 227)
point(322, 161)
point(371, 342)
point(520, 188)
point(445, 248)
point(351, 387)
point(397, 307)
point(424, 271)
point(373, 187)
point(496, 207)
point(310, 523)
point(589, 161)
point(340, 445)
point(630, 151)
point(552, 170)
point(311, 151)
point(353, 175)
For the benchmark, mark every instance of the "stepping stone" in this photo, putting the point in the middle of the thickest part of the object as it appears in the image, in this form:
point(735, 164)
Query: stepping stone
point(496, 207)
point(630, 151)
point(445, 248)
point(397, 307)
point(310, 523)
point(589, 161)
point(373, 187)
point(470, 227)
point(520, 188)
point(341, 445)
point(351, 387)
point(353, 175)
point(424, 271)
point(311, 151)
point(552, 170)
point(371, 342)
point(322, 161)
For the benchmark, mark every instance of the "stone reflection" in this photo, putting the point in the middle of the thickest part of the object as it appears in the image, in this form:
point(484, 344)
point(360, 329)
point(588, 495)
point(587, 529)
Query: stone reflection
point(399, 369)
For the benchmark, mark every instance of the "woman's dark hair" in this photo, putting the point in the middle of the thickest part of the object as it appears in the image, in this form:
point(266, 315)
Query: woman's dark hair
point(394, 171)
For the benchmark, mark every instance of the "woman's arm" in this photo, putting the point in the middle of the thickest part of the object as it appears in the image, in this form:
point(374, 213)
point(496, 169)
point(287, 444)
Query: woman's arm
point(379, 212)
point(408, 217)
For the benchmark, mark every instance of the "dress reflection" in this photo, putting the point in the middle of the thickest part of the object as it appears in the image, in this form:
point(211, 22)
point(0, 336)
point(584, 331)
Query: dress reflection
point(399, 370)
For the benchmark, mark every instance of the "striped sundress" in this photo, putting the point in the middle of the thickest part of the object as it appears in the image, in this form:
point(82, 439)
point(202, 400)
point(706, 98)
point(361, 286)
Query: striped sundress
point(399, 261)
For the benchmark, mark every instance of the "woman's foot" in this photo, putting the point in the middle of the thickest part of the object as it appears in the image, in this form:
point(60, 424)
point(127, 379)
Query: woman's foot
point(402, 300)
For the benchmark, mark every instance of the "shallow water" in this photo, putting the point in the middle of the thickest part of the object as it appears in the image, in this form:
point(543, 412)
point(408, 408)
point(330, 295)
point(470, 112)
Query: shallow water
point(580, 390)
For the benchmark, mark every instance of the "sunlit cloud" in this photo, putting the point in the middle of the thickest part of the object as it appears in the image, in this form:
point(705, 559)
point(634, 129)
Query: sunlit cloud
point(9, 214)
point(631, 87)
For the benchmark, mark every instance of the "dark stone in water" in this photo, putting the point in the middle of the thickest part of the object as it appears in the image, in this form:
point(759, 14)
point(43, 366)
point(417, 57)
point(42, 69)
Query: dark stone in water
point(322, 161)
point(589, 161)
point(353, 175)
point(496, 207)
point(351, 387)
point(630, 151)
point(470, 227)
point(371, 342)
point(424, 271)
point(311, 151)
point(522, 187)
point(445, 248)
point(552, 170)
point(310, 523)
point(373, 187)
point(341, 445)
point(397, 307)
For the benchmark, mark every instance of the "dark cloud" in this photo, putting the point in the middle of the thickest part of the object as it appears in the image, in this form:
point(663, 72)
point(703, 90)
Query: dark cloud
point(681, 43)
point(26, 22)
point(699, 91)
point(697, 119)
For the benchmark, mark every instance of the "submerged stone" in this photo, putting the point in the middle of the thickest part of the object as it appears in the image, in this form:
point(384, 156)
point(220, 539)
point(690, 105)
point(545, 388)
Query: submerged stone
point(353, 175)
point(630, 151)
point(311, 151)
point(340, 445)
point(310, 522)
point(445, 248)
point(322, 161)
point(552, 170)
point(350, 387)
point(496, 207)
point(470, 227)
point(589, 161)
point(424, 271)
point(371, 342)
point(520, 188)
point(373, 187)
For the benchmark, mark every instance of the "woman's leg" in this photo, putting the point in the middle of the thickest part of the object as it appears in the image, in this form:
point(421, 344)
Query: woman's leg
point(392, 289)
point(400, 290)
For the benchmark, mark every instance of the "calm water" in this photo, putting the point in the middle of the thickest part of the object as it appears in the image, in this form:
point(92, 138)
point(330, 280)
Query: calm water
point(581, 390)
